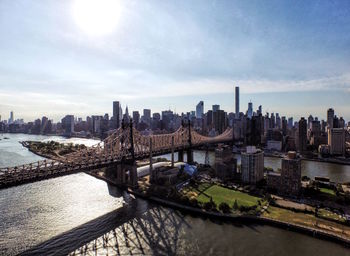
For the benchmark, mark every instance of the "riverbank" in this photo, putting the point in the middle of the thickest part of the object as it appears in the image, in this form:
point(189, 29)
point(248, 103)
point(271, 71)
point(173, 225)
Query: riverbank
point(247, 219)
point(52, 149)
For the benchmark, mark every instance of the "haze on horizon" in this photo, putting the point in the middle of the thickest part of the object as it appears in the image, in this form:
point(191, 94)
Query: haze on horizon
point(69, 57)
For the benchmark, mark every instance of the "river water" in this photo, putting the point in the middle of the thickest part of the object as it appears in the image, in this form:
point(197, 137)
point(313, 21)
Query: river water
point(78, 214)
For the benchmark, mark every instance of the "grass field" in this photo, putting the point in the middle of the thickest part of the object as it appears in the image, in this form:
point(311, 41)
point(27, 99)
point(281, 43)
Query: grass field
point(219, 194)
point(330, 215)
point(307, 220)
point(327, 191)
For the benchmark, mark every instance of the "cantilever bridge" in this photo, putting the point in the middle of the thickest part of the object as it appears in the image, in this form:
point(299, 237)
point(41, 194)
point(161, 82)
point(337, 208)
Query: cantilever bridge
point(123, 146)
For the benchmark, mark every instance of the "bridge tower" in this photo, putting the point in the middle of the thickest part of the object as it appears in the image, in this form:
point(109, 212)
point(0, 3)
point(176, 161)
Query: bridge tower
point(151, 171)
point(189, 150)
point(133, 179)
point(206, 161)
point(172, 151)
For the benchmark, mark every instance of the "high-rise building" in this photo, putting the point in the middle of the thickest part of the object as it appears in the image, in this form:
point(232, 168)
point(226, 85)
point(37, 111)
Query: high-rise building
point(259, 112)
point(126, 117)
point(302, 135)
point(11, 119)
point(291, 174)
point(216, 108)
point(284, 126)
point(200, 109)
point(146, 118)
point(67, 124)
point(250, 110)
point(136, 118)
point(330, 118)
point(278, 121)
point(336, 141)
point(96, 124)
point(290, 123)
point(116, 116)
point(309, 121)
point(237, 101)
point(252, 164)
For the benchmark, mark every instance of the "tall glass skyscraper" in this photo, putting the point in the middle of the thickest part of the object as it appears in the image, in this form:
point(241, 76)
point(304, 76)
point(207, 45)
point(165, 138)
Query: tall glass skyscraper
point(237, 101)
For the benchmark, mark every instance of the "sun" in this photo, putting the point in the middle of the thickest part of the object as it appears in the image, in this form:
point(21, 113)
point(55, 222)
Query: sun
point(96, 17)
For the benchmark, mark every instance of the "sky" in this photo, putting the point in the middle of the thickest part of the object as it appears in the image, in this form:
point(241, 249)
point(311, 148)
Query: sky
point(76, 57)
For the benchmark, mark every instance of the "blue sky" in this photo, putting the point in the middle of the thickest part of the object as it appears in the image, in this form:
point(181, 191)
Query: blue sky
point(292, 57)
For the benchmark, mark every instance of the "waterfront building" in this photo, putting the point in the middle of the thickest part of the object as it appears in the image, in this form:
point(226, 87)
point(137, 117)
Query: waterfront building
point(288, 181)
point(291, 174)
point(336, 141)
point(252, 165)
point(11, 119)
point(67, 125)
point(237, 102)
point(96, 124)
point(200, 109)
point(225, 163)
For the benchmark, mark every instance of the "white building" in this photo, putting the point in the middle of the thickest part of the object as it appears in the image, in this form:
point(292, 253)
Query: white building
point(336, 141)
point(252, 165)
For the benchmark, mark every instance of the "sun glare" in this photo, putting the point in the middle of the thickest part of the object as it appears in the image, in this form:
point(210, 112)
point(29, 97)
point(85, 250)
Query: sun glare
point(96, 17)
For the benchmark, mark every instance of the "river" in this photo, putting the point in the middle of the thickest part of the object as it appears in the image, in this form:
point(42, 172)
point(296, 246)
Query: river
point(78, 214)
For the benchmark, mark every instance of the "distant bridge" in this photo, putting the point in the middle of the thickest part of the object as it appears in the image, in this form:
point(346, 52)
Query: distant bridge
point(122, 147)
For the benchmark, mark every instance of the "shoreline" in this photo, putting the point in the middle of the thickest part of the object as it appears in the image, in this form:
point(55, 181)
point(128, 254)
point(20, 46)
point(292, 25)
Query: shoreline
point(58, 135)
point(319, 234)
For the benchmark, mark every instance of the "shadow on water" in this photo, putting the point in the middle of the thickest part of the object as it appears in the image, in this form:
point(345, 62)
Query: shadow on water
point(137, 228)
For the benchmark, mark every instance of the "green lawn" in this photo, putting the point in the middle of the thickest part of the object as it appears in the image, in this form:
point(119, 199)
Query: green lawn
point(221, 194)
point(330, 215)
point(308, 220)
point(327, 191)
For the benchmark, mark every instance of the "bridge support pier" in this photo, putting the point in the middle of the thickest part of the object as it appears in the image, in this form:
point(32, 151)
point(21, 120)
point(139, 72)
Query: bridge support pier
point(121, 175)
point(172, 151)
point(133, 178)
point(189, 156)
point(180, 156)
point(152, 173)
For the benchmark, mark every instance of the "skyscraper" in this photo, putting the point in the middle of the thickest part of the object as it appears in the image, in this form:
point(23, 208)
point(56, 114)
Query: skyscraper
point(302, 135)
point(116, 111)
point(250, 109)
point(147, 116)
point(11, 119)
point(216, 108)
point(200, 109)
point(336, 141)
point(291, 174)
point(252, 165)
point(237, 101)
point(136, 118)
point(330, 118)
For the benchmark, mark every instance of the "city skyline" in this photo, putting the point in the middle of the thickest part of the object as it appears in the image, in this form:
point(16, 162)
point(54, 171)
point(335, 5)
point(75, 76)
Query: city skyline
point(296, 60)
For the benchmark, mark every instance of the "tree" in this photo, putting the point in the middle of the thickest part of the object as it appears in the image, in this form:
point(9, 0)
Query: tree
point(209, 206)
point(235, 205)
point(224, 207)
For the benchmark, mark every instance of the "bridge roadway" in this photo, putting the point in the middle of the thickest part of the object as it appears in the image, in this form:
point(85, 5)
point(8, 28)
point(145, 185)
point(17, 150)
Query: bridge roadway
point(99, 157)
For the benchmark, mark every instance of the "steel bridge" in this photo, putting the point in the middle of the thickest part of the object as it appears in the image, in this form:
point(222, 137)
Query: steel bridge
point(123, 146)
